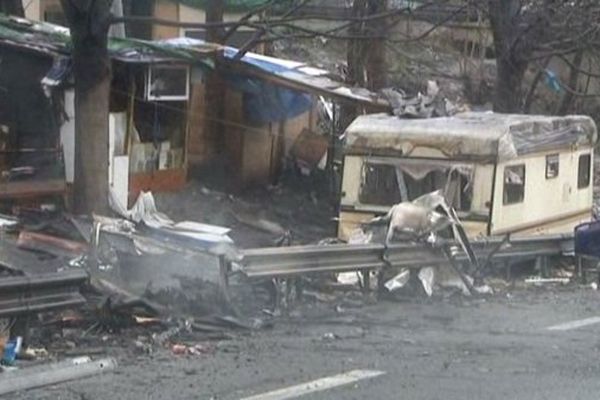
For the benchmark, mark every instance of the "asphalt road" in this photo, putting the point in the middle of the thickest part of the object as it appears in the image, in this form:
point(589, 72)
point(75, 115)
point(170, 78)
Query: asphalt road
point(506, 347)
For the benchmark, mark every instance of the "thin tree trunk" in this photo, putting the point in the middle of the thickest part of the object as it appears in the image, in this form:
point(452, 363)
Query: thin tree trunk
point(567, 99)
point(89, 23)
point(530, 97)
point(356, 72)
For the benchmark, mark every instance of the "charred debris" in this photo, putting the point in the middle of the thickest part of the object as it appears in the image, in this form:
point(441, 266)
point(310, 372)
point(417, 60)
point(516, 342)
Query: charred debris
point(74, 287)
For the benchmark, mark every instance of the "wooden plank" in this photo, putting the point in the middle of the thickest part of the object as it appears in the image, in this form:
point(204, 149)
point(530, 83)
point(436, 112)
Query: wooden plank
point(33, 188)
point(167, 180)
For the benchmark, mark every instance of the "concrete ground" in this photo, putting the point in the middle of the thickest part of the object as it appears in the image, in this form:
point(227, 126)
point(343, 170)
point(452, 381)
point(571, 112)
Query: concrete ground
point(494, 348)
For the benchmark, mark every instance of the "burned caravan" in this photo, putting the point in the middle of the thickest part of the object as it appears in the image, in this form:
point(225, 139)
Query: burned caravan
point(503, 173)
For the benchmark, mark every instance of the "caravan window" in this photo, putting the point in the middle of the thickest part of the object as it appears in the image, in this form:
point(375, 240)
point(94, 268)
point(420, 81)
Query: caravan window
point(385, 184)
point(552, 166)
point(379, 185)
point(583, 172)
point(514, 184)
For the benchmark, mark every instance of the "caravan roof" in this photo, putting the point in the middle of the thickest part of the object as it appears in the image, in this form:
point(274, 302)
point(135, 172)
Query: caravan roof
point(483, 135)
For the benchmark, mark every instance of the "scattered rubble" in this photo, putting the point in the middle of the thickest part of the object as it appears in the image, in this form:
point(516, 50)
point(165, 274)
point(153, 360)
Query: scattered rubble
point(427, 105)
point(186, 300)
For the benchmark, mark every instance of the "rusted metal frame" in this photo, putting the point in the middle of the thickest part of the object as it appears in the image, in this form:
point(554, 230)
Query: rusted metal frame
point(51, 244)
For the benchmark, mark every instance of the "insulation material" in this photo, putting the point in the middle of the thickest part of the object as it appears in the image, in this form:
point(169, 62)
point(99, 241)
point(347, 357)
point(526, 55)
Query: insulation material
point(67, 136)
point(120, 178)
point(145, 210)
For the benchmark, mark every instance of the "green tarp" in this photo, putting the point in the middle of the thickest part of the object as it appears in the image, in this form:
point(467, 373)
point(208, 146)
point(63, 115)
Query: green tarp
point(53, 39)
point(231, 5)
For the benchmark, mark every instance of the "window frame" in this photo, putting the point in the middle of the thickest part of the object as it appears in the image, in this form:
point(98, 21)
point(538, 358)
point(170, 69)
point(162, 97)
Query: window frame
point(549, 160)
point(152, 69)
point(505, 201)
point(588, 179)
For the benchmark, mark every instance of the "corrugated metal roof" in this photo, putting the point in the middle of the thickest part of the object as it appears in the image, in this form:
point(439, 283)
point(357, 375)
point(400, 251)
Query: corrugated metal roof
point(54, 39)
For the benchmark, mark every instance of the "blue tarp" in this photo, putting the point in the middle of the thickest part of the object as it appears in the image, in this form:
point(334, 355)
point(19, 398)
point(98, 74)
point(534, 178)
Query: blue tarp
point(265, 102)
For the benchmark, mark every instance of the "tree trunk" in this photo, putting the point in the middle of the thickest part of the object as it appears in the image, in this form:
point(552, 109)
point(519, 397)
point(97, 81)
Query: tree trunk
point(89, 22)
point(376, 52)
point(509, 79)
point(355, 71)
point(215, 87)
point(215, 9)
point(366, 53)
point(12, 7)
point(356, 75)
point(510, 57)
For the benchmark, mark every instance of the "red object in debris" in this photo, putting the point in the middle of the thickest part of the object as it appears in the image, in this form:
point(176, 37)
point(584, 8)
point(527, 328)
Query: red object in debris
point(51, 244)
point(179, 349)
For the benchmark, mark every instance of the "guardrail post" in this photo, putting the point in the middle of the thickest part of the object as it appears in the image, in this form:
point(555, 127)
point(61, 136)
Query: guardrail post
point(224, 284)
point(366, 281)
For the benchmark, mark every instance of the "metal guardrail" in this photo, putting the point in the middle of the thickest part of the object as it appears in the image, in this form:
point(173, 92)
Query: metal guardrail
point(296, 260)
point(28, 294)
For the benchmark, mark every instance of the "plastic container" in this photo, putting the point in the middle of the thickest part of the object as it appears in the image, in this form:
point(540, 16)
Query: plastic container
point(587, 239)
point(10, 352)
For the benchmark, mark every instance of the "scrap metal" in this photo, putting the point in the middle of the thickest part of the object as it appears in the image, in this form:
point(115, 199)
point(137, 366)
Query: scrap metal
point(21, 295)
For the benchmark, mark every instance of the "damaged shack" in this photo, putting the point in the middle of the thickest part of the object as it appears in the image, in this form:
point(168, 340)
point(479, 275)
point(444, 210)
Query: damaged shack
point(160, 124)
point(519, 174)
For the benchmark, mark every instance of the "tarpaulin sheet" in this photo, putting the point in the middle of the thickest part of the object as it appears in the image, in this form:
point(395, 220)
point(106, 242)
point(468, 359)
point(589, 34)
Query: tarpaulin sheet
point(265, 102)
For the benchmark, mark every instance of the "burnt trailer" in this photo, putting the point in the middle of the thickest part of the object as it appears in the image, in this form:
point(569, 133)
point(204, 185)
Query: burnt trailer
point(503, 173)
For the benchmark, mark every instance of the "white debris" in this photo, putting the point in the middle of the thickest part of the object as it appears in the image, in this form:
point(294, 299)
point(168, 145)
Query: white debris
point(145, 210)
point(7, 222)
point(398, 281)
point(348, 278)
point(427, 278)
point(538, 280)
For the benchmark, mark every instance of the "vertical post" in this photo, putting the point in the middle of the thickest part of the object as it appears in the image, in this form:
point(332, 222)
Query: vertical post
point(366, 275)
point(331, 152)
point(224, 285)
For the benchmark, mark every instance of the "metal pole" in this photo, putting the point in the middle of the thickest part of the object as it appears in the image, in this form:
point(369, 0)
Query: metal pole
point(18, 381)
